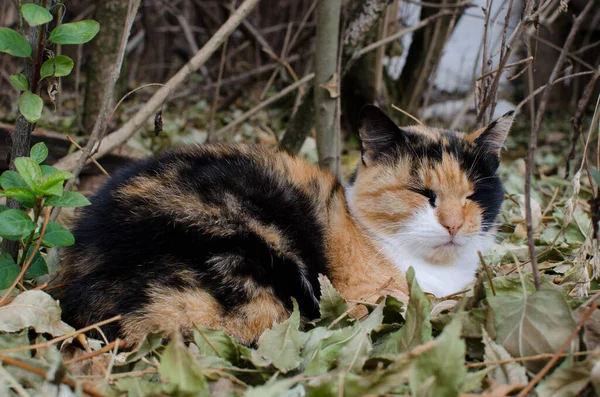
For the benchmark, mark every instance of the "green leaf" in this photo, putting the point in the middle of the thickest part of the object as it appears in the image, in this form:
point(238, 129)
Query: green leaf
point(47, 68)
point(13, 43)
point(38, 266)
point(35, 15)
point(281, 344)
point(59, 66)
point(184, 373)
point(62, 65)
point(441, 371)
point(323, 348)
point(10, 179)
point(19, 81)
point(31, 106)
point(15, 224)
point(39, 152)
point(53, 185)
point(226, 347)
point(57, 236)
point(30, 172)
point(75, 33)
point(354, 354)
point(417, 329)
point(523, 326)
point(33, 309)
point(22, 195)
point(47, 170)
point(8, 271)
point(149, 343)
point(68, 199)
point(331, 305)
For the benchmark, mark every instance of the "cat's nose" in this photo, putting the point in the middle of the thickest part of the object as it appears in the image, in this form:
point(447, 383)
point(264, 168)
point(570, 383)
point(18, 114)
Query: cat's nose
point(453, 225)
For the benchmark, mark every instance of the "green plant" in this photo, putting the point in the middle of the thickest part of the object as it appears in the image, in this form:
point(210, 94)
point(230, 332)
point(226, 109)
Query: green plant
point(13, 43)
point(37, 187)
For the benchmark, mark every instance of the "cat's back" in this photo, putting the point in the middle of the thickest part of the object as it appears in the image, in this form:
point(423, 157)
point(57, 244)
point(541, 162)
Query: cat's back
point(220, 235)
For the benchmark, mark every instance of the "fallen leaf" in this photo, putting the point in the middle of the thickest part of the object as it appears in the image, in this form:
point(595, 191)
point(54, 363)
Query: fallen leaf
point(33, 309)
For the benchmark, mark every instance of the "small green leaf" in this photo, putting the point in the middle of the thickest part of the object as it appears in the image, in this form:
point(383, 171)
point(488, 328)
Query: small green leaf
point(31, 106)
point(47, 68)
point(22, 195)
point(30, 172)
point(13, 43)
point(53, 185)
point(47, 170)
point(57, 236)
point(19, 81)
point(75, 33)
point(15, 224)
point(63, 65)
point(226, 347)
point(331, 305)
point(35, 15)
point(38, 266)
point(39, 152)
point(8, 271)
point(68, 199)
point(11, 179)
point(281, 344)
point(183, 372)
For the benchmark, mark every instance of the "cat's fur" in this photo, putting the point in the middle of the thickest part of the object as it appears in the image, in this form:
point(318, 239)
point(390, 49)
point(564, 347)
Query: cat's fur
point(223, 236)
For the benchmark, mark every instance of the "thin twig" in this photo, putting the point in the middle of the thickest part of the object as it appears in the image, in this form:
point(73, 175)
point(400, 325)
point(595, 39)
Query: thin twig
point(38, 371)
point(207, 340)
point(60, 338)
point(225, 130)
point(487, 271)
point(534, 137)
point(537, 357)
point(116, 343)
point(120, 136)
point(92, 159)
point(400, 33)
point(404, 112)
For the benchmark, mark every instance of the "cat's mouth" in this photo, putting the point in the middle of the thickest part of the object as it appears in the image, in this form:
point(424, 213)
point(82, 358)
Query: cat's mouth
point(449, 244)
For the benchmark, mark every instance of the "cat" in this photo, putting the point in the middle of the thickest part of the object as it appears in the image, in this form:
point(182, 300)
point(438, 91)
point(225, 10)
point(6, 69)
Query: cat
point(224, 235)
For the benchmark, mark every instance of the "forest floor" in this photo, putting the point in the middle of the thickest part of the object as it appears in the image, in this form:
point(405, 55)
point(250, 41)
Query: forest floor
point(501, 337)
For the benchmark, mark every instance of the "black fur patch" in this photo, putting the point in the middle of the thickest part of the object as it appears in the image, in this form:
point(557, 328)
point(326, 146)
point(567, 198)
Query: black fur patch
point(150, 248)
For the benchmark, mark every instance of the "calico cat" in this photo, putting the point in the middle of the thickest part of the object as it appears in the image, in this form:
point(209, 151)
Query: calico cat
point(224, 235)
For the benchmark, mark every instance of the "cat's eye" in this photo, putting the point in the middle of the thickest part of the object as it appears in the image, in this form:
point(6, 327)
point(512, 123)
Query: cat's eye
point(430, 194)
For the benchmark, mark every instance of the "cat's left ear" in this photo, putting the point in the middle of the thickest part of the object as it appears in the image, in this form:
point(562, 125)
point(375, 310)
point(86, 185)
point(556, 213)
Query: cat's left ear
point(377, 133)
point(493, 136)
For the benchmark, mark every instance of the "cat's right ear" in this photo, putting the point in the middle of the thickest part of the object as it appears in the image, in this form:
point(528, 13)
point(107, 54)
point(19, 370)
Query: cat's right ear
point(377, 133)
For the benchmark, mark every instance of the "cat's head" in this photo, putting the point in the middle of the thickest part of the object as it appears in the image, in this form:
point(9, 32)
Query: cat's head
point(432, 190)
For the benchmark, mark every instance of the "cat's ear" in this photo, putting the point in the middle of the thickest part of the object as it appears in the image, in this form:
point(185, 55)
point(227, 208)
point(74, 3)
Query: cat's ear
point(377, 133)
point(492, 136)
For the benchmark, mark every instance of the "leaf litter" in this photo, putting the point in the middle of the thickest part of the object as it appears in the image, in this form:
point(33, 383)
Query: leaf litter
point(482, 342)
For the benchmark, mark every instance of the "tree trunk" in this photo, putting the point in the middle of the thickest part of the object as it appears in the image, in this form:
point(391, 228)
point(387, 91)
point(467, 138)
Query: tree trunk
point(328, 138)
point(104, 50)
point(424, 52)
point(19, 140)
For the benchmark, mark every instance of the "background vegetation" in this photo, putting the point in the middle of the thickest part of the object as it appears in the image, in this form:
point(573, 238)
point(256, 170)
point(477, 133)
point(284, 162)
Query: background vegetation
point(293, 74)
